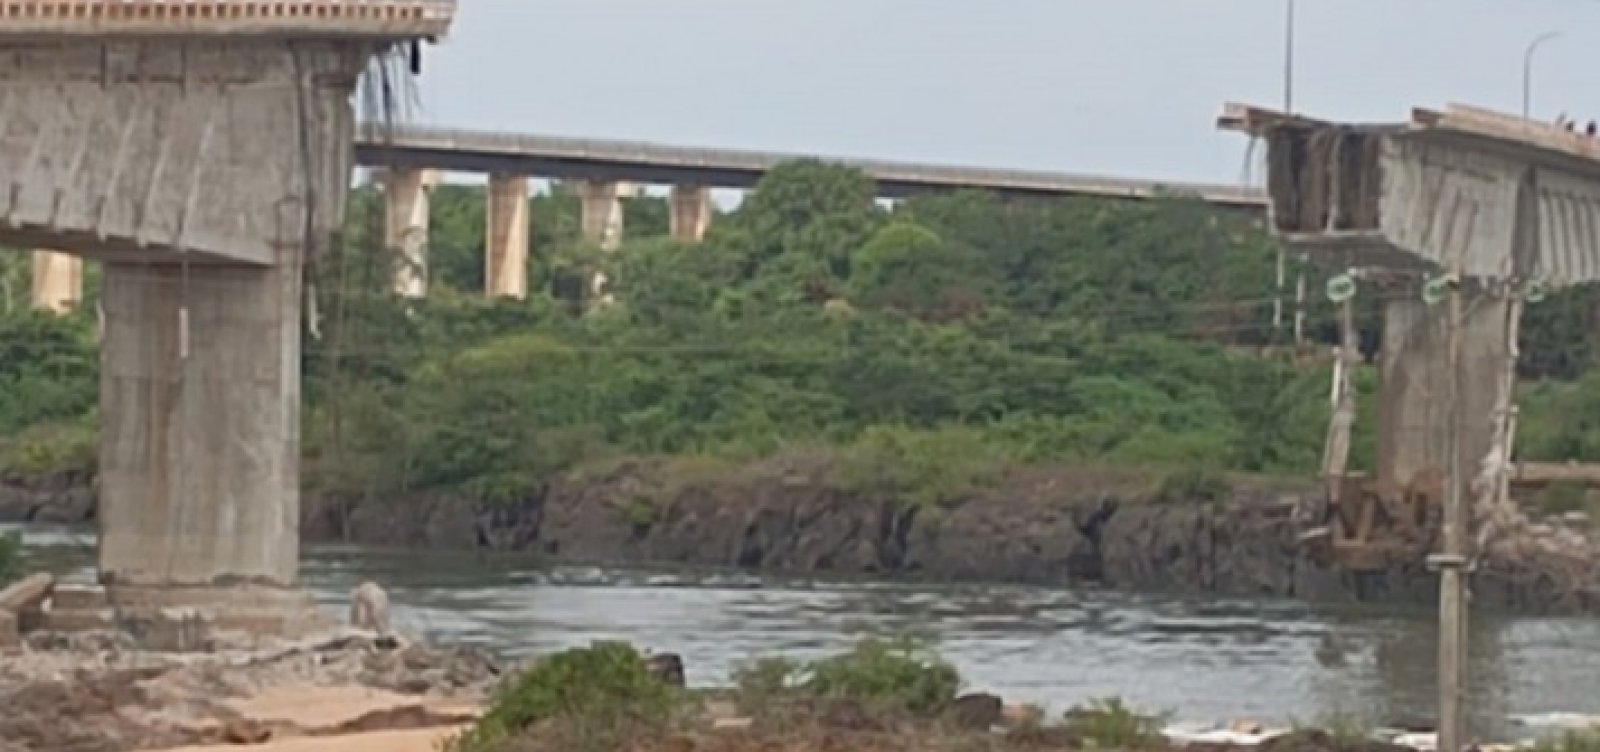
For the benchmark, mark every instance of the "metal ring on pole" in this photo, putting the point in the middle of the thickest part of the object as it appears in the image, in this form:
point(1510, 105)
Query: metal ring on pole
point(1536, 292)
point(1341, 287)
point(1436, 289)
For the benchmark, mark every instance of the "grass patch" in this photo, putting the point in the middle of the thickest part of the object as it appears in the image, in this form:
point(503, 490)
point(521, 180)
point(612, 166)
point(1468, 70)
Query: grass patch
point(936, 468)
point(1111, 724)
point(51, 449)
point(1193, 485)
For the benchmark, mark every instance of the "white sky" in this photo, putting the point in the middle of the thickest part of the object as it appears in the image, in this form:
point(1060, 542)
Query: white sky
point(1122, 87)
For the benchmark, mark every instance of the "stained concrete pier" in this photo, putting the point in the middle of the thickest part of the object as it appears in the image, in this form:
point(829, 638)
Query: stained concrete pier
point(201, 151)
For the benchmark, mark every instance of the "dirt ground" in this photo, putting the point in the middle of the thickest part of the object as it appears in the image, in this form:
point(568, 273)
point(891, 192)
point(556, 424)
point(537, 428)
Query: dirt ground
point(418, 740)
point(93, 694)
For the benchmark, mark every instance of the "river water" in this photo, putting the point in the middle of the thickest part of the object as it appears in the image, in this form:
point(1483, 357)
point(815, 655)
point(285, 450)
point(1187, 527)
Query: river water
point(1204, 660)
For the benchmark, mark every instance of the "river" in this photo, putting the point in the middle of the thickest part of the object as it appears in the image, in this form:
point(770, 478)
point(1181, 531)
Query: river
point(1203, 660)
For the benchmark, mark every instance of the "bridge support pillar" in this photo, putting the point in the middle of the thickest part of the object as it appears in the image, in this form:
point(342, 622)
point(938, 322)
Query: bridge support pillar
point(505, 271)
point(200, 425)
point(1413, 425)
point(602, 212)
point(57, 281)
point(691, 212)
point(406, 228)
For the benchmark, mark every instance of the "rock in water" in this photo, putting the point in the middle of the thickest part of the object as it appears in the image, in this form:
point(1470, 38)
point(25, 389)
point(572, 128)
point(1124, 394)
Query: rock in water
point(369, 608)
point(667, 667)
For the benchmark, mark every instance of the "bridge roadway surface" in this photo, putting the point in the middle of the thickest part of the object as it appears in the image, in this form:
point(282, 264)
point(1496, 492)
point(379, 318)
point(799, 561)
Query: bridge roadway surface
point(406, 146)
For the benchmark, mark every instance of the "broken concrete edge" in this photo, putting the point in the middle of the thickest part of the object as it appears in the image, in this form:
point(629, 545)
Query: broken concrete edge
point(1454, 119)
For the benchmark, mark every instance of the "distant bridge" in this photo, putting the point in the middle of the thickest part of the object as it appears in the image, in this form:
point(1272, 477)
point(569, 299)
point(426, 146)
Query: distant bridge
point(601, 161)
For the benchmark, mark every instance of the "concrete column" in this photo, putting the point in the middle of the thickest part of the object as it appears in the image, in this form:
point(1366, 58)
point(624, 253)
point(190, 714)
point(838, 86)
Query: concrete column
point(505, 272)
point(691, 212)
point(200, 424)
point(406, 228)
point(57, 281)
point(200, 364)
point(602, 212)
point(1412, 424)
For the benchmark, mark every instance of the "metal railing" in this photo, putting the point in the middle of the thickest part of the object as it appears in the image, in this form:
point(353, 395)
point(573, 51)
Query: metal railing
point(385, 17)
point(427, 139)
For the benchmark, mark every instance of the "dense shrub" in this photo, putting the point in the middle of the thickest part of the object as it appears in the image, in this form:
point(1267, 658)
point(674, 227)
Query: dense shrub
point(586, 699)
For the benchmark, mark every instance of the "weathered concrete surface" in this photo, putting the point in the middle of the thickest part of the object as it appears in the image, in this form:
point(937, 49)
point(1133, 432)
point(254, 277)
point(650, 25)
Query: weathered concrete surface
point(690, 212)
point(117, 150)
point(200, 424)
point(241, 150)
point(406, 227)
point(57, 281)
point(506, 239)
point(602, 212)
point(1413, 421)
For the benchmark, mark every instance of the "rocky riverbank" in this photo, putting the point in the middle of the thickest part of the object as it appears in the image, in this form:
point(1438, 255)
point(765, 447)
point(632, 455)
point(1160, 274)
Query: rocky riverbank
point(97, 692)
point(1048, 526)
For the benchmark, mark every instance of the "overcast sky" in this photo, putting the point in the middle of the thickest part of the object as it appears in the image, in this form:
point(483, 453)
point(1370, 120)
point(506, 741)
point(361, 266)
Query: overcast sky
point(1123, 87)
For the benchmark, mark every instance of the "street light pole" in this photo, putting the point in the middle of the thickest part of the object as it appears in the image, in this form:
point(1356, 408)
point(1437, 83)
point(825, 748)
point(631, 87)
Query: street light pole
point(1527, 71)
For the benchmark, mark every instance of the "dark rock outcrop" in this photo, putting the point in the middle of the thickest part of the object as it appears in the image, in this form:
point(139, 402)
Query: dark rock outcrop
point(1051, 526)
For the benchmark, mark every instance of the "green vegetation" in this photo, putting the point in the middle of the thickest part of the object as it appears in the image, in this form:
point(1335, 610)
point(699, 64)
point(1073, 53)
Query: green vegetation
point(925, 348)
point(1110, 724)
point(898, 677)
point(586, 699)
point(901, 675)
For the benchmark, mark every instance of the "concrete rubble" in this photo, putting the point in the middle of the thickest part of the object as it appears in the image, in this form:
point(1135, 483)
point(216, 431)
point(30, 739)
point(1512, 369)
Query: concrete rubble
point(95, 691)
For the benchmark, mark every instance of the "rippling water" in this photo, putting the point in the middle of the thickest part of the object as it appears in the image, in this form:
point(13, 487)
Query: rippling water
point(1203, 659)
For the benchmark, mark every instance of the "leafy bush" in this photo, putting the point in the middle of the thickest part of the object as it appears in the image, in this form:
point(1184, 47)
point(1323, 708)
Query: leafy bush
point(1109, 724)
point(588, 699)
point(895, 675)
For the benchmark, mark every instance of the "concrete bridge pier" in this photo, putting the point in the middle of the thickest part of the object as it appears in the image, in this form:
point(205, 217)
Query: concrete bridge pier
point(57, 281)
point(506, 237)
point(1413, 418)
point(406, 227)
point(691, 212)
point(204, 172)
point(602, 212)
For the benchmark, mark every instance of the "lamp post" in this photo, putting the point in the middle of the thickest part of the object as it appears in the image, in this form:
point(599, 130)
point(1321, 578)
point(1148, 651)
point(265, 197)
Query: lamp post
point(1527, 71)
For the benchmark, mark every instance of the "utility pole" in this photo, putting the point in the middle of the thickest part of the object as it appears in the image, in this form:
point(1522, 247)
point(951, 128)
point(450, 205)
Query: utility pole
point(1452, 560)
point(1288, 108)
point(1527, 71)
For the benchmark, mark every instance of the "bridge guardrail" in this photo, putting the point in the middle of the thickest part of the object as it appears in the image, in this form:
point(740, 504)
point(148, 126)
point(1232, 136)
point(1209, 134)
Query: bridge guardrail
point(406, 136)
point(397, 18)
